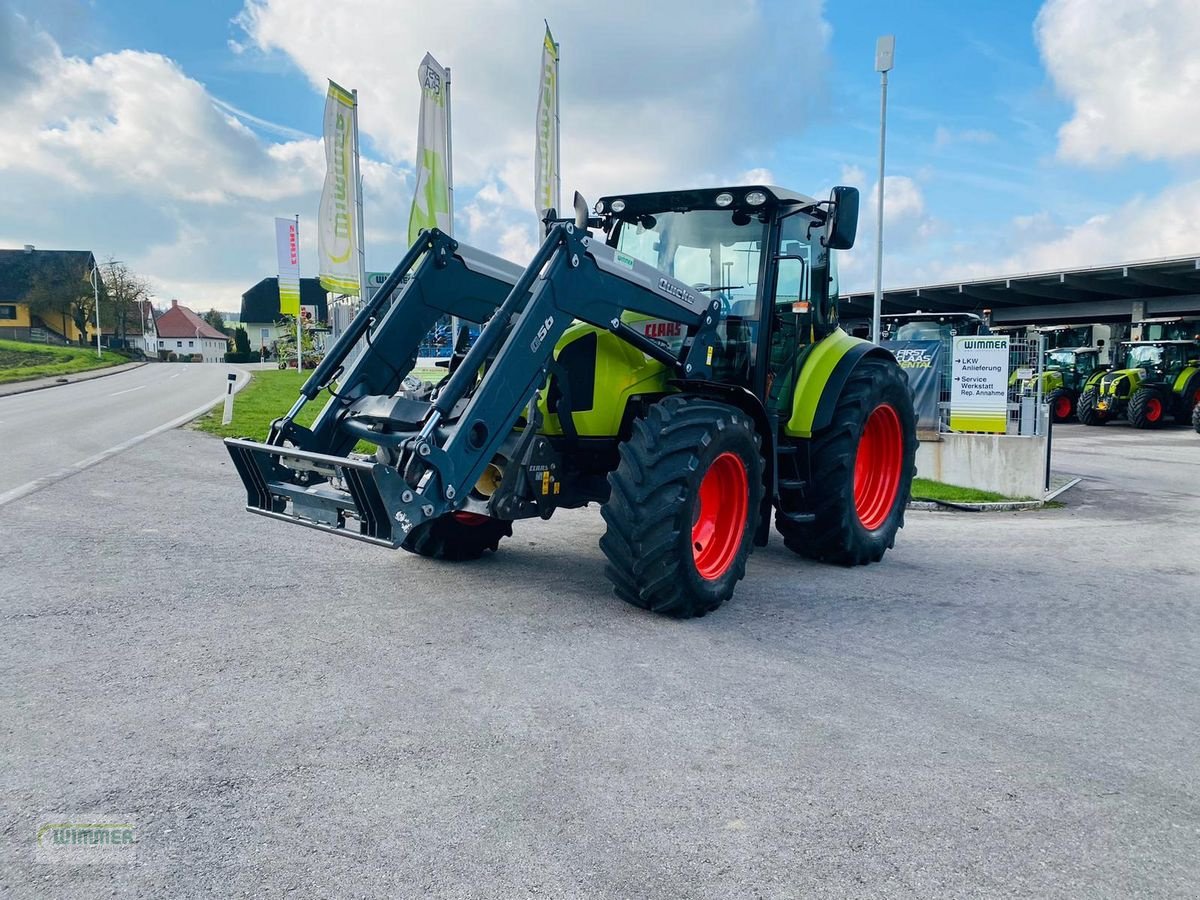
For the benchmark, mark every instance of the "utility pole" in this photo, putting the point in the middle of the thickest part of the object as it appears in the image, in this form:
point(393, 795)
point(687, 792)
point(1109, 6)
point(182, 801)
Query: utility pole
point(885, 52)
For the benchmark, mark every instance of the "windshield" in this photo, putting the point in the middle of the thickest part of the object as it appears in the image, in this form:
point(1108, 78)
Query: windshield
point(1143, 356)
point(705, 248)
point(1057, 360)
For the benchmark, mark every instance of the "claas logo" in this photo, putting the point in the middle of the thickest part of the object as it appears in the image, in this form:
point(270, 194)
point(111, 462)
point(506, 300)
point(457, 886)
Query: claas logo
point(663, 329)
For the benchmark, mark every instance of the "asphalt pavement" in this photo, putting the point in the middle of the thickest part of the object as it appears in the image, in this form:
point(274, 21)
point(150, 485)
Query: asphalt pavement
point(1006, 706)
point(49, 434)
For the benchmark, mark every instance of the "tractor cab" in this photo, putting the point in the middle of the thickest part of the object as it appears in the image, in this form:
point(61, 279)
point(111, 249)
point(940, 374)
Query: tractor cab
point(1074, 365)
point(762, 252)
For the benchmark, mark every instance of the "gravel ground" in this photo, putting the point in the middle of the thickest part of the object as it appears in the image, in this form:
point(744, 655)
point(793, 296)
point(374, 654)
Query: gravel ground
point(1005, 707)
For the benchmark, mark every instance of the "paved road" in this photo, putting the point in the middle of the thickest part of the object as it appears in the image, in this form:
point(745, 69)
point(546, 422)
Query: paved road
point(48, 432)
point(1005, 707)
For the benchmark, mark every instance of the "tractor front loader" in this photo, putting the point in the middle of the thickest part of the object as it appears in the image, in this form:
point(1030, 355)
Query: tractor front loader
point(683, 368)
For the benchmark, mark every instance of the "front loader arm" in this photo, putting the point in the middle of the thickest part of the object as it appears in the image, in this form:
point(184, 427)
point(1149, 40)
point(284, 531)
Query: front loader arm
point(572, 277)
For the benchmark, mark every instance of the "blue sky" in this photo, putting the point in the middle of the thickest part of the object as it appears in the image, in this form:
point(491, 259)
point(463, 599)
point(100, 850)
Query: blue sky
point(1021, 135)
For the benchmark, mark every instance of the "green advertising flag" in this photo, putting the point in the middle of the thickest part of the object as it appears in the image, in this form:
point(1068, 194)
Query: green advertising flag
point(431, 197)
point(337, 223)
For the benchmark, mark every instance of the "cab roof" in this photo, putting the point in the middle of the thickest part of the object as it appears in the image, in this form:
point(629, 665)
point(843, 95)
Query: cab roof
point(703, 198)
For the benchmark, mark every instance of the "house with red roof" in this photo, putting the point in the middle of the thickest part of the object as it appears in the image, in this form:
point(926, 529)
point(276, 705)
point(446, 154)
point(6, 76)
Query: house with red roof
point(182, 332)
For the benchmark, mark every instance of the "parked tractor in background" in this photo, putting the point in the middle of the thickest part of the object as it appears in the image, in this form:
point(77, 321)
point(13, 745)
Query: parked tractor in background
point(1063, 377)
point(682, 366)
point(1151, 382)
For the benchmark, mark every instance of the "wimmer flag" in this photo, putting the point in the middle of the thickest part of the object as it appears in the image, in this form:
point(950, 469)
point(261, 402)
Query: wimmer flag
point(337, 224)
point(545, 166)
point(431, 199)
point(287, 248)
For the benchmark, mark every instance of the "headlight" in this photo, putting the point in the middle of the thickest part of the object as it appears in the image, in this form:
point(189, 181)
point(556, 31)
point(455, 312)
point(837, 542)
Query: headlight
point(618, 206)
point(599, 207)
point(724, 199)
point(756, 198)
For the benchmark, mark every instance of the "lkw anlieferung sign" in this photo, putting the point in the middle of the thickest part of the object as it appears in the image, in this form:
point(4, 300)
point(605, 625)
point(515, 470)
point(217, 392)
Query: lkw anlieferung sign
point(979, 384)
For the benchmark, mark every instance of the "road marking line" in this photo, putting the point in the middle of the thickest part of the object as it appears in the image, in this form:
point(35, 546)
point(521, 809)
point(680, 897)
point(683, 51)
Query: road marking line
point(127, 391)
point(32, 487)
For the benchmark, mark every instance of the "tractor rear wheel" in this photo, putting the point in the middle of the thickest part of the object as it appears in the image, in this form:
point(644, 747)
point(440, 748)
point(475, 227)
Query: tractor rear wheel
point(1086, 410)
point(457, 536)
point(1146, 408)
point(1062, 404)
point(862, 470)
point(683, 506)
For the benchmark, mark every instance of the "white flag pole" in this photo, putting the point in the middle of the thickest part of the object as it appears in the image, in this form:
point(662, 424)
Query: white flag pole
point(358, 203)
point(450, 195)
point(557, 134)
point(299, 306)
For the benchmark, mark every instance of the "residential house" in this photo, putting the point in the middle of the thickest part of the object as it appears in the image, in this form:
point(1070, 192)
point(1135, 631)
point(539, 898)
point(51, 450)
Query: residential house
point(182, 332)
point(260, 314)
point(61, 271)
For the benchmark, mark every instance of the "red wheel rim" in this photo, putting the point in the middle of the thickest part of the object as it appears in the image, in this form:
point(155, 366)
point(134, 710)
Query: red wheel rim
point(1062, 407)
point(720, 517)
point(470, 518)
point(1154, 409)
point(877, 466)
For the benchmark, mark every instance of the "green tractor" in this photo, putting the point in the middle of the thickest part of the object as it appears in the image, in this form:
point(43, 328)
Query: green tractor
point(675, 358)
point(1152, 380)
point(1066, 372)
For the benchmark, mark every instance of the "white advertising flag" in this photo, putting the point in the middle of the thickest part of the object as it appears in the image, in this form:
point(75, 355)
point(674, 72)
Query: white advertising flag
point(337, 227)
point(431, 198)
point(546, 170)
point(287, 250)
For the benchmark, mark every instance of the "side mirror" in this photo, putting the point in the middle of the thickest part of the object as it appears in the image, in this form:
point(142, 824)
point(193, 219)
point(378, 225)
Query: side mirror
point(842, 225)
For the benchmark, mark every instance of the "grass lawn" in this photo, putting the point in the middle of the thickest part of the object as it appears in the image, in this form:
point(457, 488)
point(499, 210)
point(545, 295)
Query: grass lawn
point(21, 362)
point(924, 489)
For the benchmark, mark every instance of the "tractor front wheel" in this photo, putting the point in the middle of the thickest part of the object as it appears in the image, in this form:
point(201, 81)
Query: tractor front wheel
point(1086, 411)
point(1146, 408)
point(1062, 404)
point(457, 536)
point(683, 505)
point(862, 470)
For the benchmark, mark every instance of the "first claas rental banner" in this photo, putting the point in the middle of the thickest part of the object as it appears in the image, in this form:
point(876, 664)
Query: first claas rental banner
point(922, 363)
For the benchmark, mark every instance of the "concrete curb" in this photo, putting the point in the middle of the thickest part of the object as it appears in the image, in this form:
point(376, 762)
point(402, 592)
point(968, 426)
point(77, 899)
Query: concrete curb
point(1004, 506)
point(41, 384)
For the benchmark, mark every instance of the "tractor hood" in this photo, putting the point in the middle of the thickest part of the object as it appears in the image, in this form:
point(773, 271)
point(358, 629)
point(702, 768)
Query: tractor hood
point(1122, 382)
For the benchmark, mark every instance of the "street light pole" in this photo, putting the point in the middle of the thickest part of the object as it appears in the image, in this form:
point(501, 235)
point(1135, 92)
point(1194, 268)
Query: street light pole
point(885, 52)
point(96, 304)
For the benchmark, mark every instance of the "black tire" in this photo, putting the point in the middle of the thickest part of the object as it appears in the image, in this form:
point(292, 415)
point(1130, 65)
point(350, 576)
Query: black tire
point(838, 534)
point(1147, 408)
point(1062, 404)
point(1196, 418)
point(654, 506)
point(457, 537)
point(1085, 409)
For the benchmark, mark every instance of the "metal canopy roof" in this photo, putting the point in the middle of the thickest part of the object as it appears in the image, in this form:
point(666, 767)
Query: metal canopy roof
point(1161, 287)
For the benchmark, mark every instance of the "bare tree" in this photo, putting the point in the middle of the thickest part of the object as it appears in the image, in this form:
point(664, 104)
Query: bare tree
point(124, 293)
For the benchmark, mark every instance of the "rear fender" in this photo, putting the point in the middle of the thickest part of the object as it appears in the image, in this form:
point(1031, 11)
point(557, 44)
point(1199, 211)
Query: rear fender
point(824, 373)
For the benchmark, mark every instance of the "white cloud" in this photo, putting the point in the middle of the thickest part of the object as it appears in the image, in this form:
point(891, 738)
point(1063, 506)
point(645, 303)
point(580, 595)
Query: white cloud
point(126, 155)
point(1131, 68)
point(653, 95)
point(944, 137)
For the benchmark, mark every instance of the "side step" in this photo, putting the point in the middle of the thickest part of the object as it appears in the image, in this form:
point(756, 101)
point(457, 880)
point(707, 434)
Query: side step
point(360, 511)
